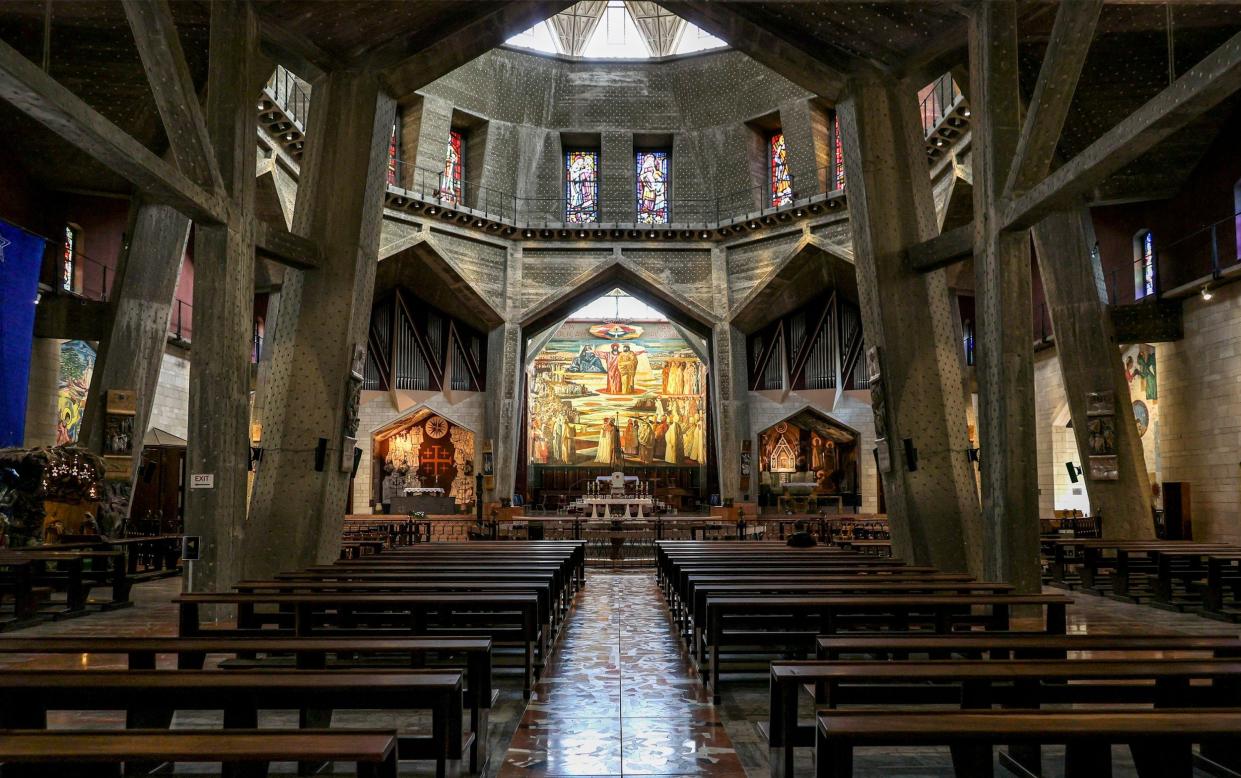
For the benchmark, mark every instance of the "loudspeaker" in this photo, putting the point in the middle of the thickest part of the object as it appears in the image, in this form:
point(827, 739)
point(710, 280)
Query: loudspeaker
point(148, 472)
point(357, 460)
point(1074, 471)
point(320, 454)
point(911, 455)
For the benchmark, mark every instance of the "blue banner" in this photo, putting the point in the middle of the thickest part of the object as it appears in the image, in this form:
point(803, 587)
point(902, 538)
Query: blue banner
point(21, 254)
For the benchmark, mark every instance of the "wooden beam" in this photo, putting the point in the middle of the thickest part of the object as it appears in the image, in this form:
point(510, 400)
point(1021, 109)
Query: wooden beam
point(295, 52)
point(809, 69)
point(45, 100)
point(411, 67)
point(943, 250)
point(1202, 87)
point(272, 241)
point(155, 33)
point(1057, 81)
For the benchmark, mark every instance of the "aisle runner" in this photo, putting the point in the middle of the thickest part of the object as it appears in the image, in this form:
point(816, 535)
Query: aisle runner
point(619, 698)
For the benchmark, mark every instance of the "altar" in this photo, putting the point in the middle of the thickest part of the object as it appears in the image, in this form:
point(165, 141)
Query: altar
point(636, 506)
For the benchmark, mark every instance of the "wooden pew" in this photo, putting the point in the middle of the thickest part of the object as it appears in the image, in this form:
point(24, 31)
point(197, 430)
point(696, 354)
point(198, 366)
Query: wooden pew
point(411, 612)
point(17, 585)
point(26, 696)
point(939, 613)
point(66, 571)
point(785, 734)
point(1160, 741)
point(1223, 572)
point(99, 754)
point(306, 653)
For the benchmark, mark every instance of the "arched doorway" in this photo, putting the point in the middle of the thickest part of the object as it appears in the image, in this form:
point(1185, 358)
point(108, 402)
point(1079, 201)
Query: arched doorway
point(420, 453)
point(808, 461)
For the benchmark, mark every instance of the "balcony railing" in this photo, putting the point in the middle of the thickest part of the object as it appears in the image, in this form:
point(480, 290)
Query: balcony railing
point(287, 91)
point(941, 97)
point(181, 322)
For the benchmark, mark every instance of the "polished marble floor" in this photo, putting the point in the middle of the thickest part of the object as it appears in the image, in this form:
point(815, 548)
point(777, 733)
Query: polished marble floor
point(618, 696)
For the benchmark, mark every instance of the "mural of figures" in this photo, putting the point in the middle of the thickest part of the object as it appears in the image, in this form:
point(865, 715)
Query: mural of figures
point(1141, 373)
point(604, 393)
point(77, 362)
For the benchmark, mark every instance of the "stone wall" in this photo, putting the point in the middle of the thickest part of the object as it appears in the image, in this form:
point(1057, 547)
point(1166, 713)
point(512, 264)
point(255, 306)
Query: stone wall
point(1200, 413)
point(171, 409)
point(44, 389)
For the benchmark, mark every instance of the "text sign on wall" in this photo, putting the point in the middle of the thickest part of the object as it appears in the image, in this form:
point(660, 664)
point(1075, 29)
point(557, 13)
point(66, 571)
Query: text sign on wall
point(202, 480)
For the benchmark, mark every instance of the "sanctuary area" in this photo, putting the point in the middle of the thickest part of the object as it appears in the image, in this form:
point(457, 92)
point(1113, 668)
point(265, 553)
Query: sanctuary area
point(620, 387)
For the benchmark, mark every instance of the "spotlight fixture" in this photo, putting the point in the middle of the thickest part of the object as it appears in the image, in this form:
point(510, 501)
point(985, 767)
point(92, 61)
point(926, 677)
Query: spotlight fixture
point(432, 210)
point(1206, 292)
point(528, 233)
point(478, 222)
point(545, 233)
point(799, 213)
point(581, 233)
point(939, 142)
point(634, 234)
point(753, 225)
point(965, 111)
point(650, 234)
point(704, 234)
point(564, 233)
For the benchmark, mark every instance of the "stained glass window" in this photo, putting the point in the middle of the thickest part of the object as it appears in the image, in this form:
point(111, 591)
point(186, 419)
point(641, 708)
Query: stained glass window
point(581, 187)
point(781, 178)
point(840, 154)
point(652, 181)
point(451, 180)
point(1144, 265)
point(393, 153)
point(69, 265)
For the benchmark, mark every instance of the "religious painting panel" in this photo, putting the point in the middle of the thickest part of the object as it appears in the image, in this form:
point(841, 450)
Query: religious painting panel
point(581, 187)
point(611, 394)
point(77, 362)
point(652, 184)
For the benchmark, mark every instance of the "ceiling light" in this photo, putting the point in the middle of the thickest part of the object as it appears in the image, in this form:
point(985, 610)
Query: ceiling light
point(1206, 292)
point(432, 210)
point(965, 111)
point(704, 234)
point(528, 234)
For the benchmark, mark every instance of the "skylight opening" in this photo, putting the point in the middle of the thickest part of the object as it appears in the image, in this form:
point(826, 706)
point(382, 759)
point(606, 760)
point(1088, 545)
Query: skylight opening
point(694, 38)
point(616, 36)
point(537, 38)
point(617, 305)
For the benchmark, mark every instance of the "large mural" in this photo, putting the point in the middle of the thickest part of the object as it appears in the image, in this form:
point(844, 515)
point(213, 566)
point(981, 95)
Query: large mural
point(603, 394)
point(1141, 373)
point(77, 362)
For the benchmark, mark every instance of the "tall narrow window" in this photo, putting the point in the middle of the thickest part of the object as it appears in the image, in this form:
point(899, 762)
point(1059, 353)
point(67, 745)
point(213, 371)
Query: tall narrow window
point(69, 263)
point(394, 152)
point(781, 178)
point(581, 187)
point(839, 151)
point(1144, 265)
point(652, 182)
point(451, 186)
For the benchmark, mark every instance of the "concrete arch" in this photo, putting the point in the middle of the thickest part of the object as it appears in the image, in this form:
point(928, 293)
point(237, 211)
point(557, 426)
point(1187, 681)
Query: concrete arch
point(621, 274)
point(808, 269)
point(418, 263)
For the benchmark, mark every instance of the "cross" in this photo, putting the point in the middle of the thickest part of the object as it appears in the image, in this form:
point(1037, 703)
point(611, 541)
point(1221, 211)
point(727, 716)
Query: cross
point(435, 460)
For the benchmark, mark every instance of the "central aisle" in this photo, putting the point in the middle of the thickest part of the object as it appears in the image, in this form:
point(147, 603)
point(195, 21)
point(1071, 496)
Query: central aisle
point(618, 697)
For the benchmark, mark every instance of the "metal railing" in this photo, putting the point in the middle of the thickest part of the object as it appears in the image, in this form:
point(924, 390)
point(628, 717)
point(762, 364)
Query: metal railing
point(96, 278)
point(941, 96)
point(1204, 252)
point(287, 92)
point(181, 323)
point(432, 186)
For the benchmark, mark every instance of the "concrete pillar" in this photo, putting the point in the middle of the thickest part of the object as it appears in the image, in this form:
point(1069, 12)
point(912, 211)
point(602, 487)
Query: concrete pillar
point(933, 505)
point(132, 351)
point(1005, 331)
point(505, 390)
point(219, 407)
point(1091, 362)
point(298, 504)
point(730, 397)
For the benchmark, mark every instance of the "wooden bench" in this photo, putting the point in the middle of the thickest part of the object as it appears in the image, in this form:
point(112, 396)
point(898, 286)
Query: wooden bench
point(306, 654)
point(411, 614)
point(939, 613)
point(17, 585)
point(1160, 741)
point(26, 696)
point(785, 734)
point(97, 754)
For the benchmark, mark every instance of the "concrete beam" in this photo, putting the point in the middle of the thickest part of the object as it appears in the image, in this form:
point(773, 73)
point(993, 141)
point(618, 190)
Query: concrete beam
point(814, 70)
point(1005, 363)
point(309, 411)
point(219, 408)
point(274, 242)
point(43, 99)
point(932, 502)
point(945, 249)
point(1202, 87)
point(1091, 362)
point(159, 46)
point(1057, 80)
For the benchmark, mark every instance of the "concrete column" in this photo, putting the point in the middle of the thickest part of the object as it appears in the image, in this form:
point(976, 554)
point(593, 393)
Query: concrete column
point(1091, 362)
point(298, 505)
point(132, 352)
point(730, 397)
point(933, 507)
point(505, 388)
point(1005, 331)
point(219, 407)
